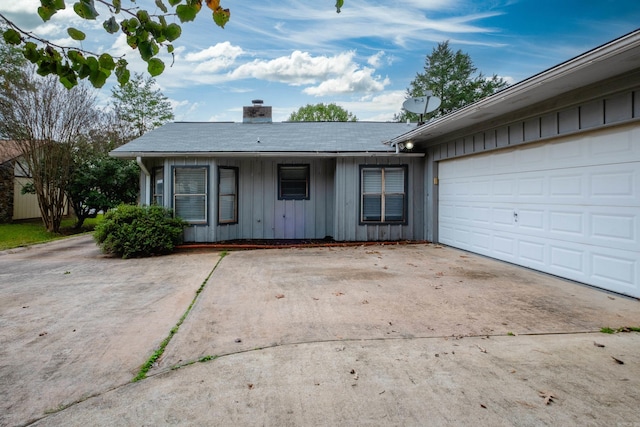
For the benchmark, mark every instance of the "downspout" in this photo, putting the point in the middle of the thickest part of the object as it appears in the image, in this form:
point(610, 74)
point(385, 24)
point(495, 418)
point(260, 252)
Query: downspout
point(147, 177)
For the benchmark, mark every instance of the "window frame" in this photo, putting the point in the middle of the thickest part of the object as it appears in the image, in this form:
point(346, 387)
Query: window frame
point(154, 195)
point(235, 170)
point(307, 168)
point(383, 194)
point(174, 194)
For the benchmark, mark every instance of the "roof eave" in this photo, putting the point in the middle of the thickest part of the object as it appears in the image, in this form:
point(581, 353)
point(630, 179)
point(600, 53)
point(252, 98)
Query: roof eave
point(265, 154)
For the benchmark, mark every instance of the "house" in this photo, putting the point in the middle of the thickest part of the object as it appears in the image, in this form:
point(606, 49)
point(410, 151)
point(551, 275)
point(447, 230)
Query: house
point(291, 180)
point(543, 174)
point(546, 173)
point(13, 204)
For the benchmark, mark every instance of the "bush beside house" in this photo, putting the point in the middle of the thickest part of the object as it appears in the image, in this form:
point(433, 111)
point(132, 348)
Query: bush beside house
point(139, 231)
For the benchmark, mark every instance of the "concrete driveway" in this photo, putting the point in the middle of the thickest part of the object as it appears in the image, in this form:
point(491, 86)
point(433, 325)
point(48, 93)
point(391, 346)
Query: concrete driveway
point(367, 335)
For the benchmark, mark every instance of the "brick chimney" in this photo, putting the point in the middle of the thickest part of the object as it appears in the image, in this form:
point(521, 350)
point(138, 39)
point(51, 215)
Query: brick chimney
point(257, 113)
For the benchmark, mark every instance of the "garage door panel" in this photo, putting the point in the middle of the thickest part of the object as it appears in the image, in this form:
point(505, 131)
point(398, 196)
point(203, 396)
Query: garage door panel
point(570, 223)
point(577, 216)
point(616, 271)
point(534, 253)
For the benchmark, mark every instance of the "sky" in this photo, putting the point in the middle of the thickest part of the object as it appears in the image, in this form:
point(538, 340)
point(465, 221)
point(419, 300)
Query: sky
point(293, 53)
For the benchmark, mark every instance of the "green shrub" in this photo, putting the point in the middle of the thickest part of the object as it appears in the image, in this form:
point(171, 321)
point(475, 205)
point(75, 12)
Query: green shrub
point(139, 231)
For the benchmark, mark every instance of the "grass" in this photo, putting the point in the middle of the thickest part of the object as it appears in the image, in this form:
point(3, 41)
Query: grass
point(27, 233)
point(607, 330)
point(142, 374)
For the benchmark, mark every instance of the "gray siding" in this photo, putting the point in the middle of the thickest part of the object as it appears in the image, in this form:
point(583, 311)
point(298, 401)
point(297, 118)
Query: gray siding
point(260, 214)
point(263, 216)
point(347, 206)
point(583, 116)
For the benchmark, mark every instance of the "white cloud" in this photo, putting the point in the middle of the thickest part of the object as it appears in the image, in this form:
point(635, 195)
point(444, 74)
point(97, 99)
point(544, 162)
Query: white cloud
point(224, 49)
point(358, 81)
point(297, 69)
point(215, 58)
point(330, 74)
point(375, 60)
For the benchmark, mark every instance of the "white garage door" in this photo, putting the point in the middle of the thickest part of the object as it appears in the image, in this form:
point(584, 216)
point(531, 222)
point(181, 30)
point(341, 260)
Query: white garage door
point(569, 207)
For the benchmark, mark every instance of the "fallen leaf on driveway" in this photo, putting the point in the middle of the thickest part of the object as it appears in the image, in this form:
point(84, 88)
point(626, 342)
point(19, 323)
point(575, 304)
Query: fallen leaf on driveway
point(548, 397)
point(280, 296)
point(598, 344)
point(338, 293)
point(481, 349)
point(250, 386)
point(618, 361)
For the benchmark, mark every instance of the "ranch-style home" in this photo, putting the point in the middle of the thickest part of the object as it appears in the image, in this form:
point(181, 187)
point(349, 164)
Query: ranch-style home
point(544, 174)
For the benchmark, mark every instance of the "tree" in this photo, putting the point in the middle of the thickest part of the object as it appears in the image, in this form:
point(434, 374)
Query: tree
point(322, 113)
point(45, 121)
point(99, 183)
point(450, 76)
point(148, 33)
point(141, 105)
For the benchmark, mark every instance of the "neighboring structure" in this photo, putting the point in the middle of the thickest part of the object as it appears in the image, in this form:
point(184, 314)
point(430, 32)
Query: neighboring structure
point(546, 173)
point(13, 204)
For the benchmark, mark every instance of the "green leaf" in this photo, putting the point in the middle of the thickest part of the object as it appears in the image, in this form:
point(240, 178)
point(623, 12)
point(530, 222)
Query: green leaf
point(31, 52)
point(172, 32)
point(170, 48)
point(339, 4)
point(111, 25)
point(156, 30)
point(161, 6)
point(46, 12)
point(143, 16)
point(122, 73)
point(76, 34)
point(11, 36)
point(186, 13)
point(93, 64)
point(155, 67)
point(106, 61)
point(174, 2)
point(76, 57)
point(47, 67)
point(146, 50)
point(84, 71)
point(99, 78)
point(221, 17)
point(68, 78)
point(85, 9)
point(53, 4)
point(117, 4)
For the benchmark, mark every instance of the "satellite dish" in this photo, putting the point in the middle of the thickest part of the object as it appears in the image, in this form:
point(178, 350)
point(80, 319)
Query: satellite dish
point(422, 104)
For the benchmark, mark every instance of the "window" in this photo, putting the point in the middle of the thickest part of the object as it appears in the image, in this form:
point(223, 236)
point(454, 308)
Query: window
point(383, 194)
point(293, 182)
point(190, 194)
point(227, 195)
point(157, 190)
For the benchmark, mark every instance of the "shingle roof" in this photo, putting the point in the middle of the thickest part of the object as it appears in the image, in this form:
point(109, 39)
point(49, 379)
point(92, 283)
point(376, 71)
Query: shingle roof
point(308, 137)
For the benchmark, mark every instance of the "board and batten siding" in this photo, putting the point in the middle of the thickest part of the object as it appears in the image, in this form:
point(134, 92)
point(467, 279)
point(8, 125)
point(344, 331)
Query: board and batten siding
point(347, 204)
point(260, 214)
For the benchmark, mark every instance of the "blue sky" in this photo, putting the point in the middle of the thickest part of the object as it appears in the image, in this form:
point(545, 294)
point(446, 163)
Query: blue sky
point(293, 53)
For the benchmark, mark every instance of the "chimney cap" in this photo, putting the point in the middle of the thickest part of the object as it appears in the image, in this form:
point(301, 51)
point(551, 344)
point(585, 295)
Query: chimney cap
point(257, 102)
